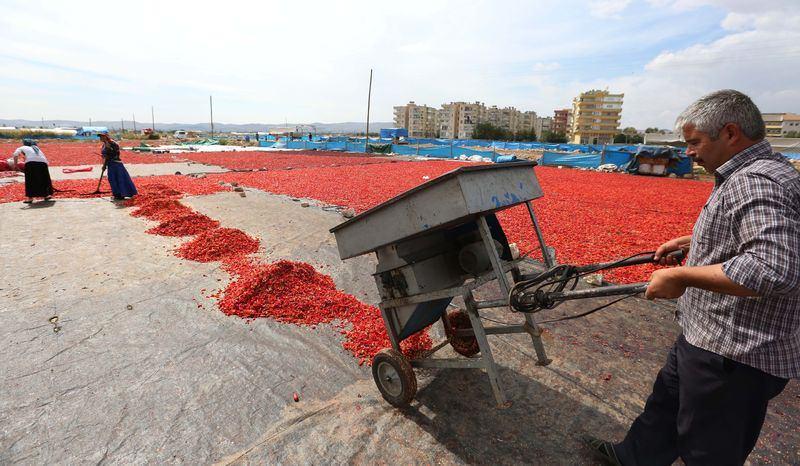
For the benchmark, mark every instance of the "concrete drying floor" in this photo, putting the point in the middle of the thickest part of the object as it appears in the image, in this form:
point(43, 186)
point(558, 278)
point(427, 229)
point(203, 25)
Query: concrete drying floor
point(139, 373)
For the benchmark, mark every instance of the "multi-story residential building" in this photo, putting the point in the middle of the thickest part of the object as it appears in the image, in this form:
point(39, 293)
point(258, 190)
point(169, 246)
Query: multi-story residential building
point(458, 119)
point(508, 118)
point(421, 121)
point(448, 120)
point(595, 117)
point(542, 125)
point(562, 120)
point(469, 115)
point(528, 122)
point(779, 124)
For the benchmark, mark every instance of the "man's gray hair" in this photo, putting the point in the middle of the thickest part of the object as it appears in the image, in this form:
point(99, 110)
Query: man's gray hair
point(712, 112)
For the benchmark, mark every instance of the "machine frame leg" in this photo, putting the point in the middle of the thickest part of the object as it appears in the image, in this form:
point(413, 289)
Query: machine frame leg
point(387, 321)
point(486, 351)
point(536, 338)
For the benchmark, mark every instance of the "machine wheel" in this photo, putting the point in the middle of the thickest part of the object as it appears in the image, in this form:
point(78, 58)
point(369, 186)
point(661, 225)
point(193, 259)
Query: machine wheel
point(394, 377)
point(465, 346)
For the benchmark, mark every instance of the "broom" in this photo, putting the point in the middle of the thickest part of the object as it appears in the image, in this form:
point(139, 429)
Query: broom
point(102, 172)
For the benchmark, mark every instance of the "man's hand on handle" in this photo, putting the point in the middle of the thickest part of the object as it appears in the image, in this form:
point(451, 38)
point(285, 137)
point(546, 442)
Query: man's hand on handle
point(672, 283)
point(666, 284)
point(681, 243)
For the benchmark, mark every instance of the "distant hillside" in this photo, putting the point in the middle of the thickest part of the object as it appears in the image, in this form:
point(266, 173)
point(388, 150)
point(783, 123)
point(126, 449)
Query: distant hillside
point(346, 127)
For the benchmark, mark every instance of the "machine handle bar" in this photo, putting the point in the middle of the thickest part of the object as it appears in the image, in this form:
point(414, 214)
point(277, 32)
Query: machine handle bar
point(548, 299)
point(637, 260)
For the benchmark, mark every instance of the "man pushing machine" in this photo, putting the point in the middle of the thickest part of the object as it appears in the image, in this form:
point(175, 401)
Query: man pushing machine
point(739, 298)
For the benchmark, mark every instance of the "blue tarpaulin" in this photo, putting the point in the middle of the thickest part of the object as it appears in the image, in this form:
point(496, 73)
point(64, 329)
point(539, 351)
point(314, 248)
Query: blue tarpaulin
point(620, 156)
point(391, 133)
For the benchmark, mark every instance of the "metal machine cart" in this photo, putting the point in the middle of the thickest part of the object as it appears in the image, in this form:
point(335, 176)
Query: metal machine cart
point(441, 240)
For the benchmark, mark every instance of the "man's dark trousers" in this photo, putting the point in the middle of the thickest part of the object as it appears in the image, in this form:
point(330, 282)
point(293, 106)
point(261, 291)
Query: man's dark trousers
point(705, 409)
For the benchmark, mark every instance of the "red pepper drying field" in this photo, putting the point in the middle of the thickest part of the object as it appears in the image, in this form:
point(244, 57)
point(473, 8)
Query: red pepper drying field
point(587, 216)
point(356, 186)
point(282, 160)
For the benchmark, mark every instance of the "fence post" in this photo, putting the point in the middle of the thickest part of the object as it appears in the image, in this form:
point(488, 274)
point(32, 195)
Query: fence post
point(603, 155)
point(451, 148)
point(417, 146)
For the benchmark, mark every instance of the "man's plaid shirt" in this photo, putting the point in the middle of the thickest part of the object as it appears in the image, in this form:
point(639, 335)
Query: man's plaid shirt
point(750, 225)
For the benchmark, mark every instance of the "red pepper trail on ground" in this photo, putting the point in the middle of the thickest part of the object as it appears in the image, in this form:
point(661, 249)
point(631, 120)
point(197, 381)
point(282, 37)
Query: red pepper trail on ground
point(159, 209)
point(184, 225)
point(289, 292)
point(294, 292)
point(217, 244)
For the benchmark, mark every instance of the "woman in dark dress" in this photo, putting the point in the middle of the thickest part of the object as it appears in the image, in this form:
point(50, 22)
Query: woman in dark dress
point(121, 183)
point(37, 175)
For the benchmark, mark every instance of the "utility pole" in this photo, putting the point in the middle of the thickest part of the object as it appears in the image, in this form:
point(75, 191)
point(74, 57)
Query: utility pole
point(369, 99)
point(134, 121)
point(153, 118)
point(122, 123)
point(42, 122)
point(90, 121)
point(211, 107)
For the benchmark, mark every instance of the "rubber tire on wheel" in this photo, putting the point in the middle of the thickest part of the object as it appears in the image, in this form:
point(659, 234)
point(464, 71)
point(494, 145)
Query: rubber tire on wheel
point(465, 346)
point(394, 377)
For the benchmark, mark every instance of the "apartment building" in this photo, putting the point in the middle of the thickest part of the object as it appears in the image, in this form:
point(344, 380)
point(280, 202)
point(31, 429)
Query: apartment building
point(528, 122)
point(595, 117)
point(779, 124)
point(562, 121)
point(457, 120)
point(469, 115)
point(542, 125)
point(508, 118)
point(448, 120)
point(421, 121)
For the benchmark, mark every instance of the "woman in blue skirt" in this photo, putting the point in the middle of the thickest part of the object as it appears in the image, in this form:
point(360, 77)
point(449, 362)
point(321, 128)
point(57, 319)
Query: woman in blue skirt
point(121, 183)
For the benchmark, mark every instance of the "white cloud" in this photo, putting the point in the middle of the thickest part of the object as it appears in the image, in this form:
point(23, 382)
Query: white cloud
point(608, 8)
point(738, 22)
point(759, 54)
point(544, 67)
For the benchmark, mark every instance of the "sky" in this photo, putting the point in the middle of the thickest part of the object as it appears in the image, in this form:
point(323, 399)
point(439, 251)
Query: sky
point(308, 61)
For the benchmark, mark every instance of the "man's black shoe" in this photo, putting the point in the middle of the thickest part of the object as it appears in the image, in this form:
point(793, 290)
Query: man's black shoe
point(602, 450)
